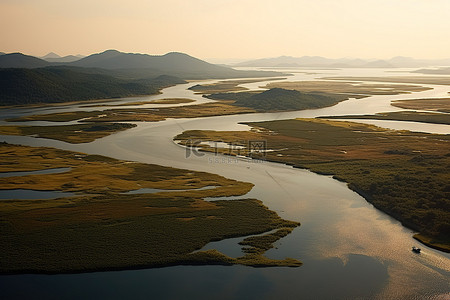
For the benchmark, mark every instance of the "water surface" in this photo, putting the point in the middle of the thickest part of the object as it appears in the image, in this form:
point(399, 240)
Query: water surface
point(349, 248)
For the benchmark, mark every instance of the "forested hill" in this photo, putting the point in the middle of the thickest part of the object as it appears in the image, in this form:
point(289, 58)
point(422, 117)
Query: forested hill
point(54, 85)
point(19, 60)
point(278, 99)
point(27, 79)
point(138, 65)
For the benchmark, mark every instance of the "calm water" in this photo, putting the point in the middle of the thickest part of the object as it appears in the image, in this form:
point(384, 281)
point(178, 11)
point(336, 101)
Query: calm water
point(32, 194)
point(38, 172)
point(349, 249)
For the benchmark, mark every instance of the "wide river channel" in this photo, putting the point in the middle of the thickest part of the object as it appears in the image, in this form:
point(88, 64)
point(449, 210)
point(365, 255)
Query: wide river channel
point(350, 250)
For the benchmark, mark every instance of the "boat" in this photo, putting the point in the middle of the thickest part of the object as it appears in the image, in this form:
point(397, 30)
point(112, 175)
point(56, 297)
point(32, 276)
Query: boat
point(415, 249)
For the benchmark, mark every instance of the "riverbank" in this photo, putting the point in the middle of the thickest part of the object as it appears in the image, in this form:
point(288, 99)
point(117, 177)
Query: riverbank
point(441, 104)
point(105, 227)
point(422, 117)
point(402, 173)
point(74, 134)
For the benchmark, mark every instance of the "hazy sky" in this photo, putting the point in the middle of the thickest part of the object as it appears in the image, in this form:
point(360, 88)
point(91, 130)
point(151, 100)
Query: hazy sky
point(229, 28)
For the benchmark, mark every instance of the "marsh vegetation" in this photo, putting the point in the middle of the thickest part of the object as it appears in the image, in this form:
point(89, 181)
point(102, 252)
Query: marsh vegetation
point(441, 104)
point(424, 117)
point(278, 99)
point(348, 87)
point(101, 228)
point(404, 174)
point(226, 85)
point(74, 134)
point(437, 80)
point(141, 114)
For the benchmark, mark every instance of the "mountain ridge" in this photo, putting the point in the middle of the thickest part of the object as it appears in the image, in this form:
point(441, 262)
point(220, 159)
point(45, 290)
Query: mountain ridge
point(56, 85)
point(318, 61)
point(19, 60)
point(52, 57)
point(140, 65)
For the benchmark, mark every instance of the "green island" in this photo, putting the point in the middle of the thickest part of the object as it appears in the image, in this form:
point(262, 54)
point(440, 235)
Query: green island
point(436, 104)
point(102, 227)
point(278, 99)
point(226, 85)
point(216, 108)
point(423, 117)
point(74, 134)
point(158, 101)
point(402, 173)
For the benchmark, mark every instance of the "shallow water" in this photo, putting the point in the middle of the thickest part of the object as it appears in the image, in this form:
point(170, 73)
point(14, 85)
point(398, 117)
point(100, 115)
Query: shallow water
point(349, 249)
point(22, 194)
point(38, 172)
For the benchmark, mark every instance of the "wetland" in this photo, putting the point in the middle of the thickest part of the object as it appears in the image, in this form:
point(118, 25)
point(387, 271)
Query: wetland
point(338, 241)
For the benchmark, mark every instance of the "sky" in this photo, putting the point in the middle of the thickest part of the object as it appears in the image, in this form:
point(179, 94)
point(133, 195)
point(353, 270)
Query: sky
point(229, 29)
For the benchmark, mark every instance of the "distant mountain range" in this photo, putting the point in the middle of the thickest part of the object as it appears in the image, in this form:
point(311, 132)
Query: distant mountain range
point(27, 79)
point(53, 57)
point(322, 62)
point(19, 60)
point(141, 65)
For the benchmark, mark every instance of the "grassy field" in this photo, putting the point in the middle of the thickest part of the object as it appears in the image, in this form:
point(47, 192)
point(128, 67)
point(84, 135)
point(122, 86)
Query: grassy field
point(103, 229)
point(404, 174)
point(158, 101)
point(74, 134)
point(438, 80)
point(424, 117)
point(142, 114)
point(352, 89)
point(226, 86)
point(442, 104)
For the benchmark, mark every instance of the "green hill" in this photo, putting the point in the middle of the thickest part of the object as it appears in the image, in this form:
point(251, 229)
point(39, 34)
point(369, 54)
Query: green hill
point(278, 99)
point(53, 85)
point(19, 60)
point(173, 63)
point(136, 65)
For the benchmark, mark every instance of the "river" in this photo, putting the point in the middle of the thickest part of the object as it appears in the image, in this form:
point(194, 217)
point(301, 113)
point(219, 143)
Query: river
point(349, 248)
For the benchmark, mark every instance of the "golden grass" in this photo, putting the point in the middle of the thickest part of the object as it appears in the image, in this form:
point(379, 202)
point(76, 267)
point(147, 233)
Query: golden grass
point(158, 101)
point(350, 88)
point(438, 80)
point(217, 108)
point(90, 174)
point(441, 104)
point(57, 117)
point(190, 111)
point(226, 86)
point(92, 230)
point(75, 134)
point(424, 117)
point(403, 173)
